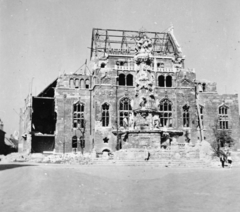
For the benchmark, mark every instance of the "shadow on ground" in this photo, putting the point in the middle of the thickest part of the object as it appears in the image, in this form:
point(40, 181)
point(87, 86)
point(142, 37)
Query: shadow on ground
point(11, 166)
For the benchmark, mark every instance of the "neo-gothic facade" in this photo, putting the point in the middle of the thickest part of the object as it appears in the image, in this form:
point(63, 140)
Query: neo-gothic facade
point(135, 93)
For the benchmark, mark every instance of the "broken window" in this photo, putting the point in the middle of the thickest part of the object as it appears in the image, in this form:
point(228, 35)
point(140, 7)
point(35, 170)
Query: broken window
point(169, 81)
point(78, 115)
point(186, 120)
point(82, 83)
point(161, 81)
point(87, 83)
point(129, 80)
point(165, 108)
point(124, 111)
point(105, 115)
point(223, 117)
point(71, 83)
point(121, 79)
point(76, 83)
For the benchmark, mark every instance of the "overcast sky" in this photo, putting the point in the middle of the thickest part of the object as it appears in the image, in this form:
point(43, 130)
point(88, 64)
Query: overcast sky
point(41, 38)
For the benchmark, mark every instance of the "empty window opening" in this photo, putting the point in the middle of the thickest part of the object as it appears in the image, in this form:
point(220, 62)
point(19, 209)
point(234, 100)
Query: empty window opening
point(129, 80)
point(78, 115)
point(87, 83)
point(105, 140)
point(169, 81)
point(103, 65)
point(124, 111)
point(82, 83)
point(165, 108)
point(122, 79)
point(74, 142)
point(161, 81)
point(105, 115)
point(203, 87)
point(71, 83)
point(186, 120)
point(223, 117)
point(76, 83)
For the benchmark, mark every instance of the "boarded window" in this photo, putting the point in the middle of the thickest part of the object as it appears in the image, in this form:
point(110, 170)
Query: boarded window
point(82, 83)
point(71, 83)
point(76, 83)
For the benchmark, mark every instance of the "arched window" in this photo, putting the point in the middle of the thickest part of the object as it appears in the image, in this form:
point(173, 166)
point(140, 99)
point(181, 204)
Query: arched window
point(124, 111)
point(161, 81)
point(71, 83)
point(78, 115)
point(105, 115)
point(121, 79)
point(82, 84)
point(76, 83)
point(165, 108)
point(87, 83)
point(186, 119)
point(129, 80)
point(168, 81)
point(223, 117)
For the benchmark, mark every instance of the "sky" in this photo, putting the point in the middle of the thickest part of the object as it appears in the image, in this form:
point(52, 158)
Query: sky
point(40, 39)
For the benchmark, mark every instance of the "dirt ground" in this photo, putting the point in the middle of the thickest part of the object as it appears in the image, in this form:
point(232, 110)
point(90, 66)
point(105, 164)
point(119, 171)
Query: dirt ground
point(62, 188)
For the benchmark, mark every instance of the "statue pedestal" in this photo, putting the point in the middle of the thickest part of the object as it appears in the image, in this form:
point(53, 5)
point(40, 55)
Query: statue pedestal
point(141, 139)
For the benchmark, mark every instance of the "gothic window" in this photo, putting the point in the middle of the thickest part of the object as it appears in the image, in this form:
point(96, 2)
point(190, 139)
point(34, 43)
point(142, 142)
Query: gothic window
point(121, 79)
point(124, 110)
point(129, 80)
point(78, 115)
point(165, 108)
point(186, 119)
point(71, 83)
point(82, 84)
point(168, 81)
point(223, 117)
point(161, 81)
point(76, 83)
point(87, 83)
point(105, 115)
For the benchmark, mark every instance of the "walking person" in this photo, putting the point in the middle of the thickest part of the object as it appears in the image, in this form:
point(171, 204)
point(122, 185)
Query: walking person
point(222, 160)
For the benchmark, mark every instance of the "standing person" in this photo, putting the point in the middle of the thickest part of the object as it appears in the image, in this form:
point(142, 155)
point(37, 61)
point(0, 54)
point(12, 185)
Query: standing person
point(222, 159)
point(229, 159)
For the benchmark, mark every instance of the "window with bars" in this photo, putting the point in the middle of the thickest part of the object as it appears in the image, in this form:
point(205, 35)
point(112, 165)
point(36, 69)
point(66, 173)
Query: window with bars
point(165, 108)
point(124, 110)
point(186, 119)
point(78, 115)
point(105, 115)
point(223, 117)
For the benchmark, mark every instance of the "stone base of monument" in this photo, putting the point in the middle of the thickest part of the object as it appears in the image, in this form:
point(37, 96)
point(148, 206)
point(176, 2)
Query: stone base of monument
point(142, 139)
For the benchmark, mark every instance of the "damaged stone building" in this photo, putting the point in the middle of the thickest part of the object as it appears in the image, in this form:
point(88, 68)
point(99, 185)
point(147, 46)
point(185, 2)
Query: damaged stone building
point(136, 92)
